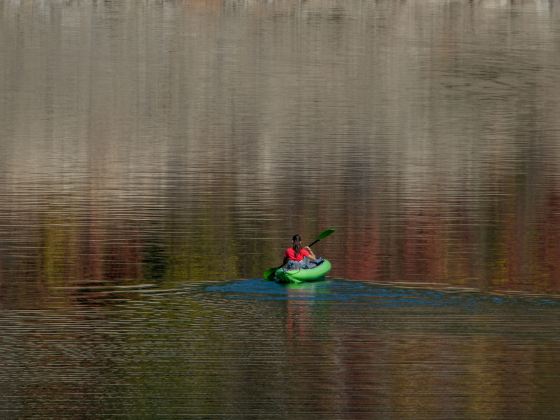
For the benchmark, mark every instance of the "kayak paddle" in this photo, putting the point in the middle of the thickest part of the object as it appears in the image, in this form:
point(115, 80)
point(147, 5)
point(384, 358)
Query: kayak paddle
point(269, 274)
point(322, 235)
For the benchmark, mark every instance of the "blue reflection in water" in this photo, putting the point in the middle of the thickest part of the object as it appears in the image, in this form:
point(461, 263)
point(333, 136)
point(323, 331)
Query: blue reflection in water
point(382, 296)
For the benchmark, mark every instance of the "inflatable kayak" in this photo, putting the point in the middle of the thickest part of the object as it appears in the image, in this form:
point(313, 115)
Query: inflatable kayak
point(304, 274)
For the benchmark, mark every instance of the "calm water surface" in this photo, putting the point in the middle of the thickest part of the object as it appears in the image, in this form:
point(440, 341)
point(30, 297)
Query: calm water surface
point(156, 157)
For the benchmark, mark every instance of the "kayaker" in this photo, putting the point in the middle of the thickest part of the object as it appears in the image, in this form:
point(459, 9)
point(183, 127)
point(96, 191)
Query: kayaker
point(298, 256)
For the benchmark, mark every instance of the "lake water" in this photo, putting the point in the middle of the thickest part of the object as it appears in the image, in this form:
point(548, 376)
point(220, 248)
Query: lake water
point(157, 156)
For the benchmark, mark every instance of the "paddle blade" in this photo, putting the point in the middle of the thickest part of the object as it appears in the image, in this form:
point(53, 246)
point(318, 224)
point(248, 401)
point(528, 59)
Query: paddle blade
point(325, 233)
point(322, 235)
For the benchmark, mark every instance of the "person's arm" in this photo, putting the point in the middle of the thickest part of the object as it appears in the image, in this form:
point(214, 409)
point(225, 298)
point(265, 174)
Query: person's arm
point(311, 254)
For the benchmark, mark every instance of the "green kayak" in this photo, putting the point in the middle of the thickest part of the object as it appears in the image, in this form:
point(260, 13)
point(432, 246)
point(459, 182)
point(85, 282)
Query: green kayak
point(303, 275)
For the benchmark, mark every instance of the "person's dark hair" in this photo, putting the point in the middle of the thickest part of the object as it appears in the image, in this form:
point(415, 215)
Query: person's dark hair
point(297, 243)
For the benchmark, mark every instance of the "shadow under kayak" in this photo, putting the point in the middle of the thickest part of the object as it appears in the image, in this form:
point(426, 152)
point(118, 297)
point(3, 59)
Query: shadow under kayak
point(304, 274)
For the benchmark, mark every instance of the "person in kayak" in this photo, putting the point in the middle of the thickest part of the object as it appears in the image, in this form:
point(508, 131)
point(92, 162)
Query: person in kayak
point(298, 256)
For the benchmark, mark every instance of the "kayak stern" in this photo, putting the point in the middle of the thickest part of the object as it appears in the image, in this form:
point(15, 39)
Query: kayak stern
point(303, 275)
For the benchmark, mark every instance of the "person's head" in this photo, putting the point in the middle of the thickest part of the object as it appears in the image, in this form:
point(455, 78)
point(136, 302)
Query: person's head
point(296, 242)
